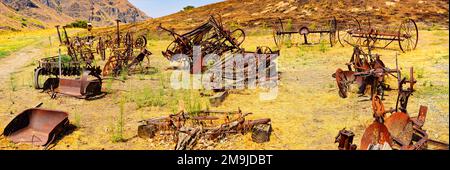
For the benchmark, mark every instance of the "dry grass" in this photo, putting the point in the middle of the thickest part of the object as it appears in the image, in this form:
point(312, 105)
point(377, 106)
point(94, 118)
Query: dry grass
point(307, 114)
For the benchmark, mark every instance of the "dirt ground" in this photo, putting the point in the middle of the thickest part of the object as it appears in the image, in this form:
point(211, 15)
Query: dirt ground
point(307, 113)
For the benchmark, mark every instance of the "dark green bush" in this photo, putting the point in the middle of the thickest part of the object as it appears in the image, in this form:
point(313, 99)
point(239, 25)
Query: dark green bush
point(78, 24)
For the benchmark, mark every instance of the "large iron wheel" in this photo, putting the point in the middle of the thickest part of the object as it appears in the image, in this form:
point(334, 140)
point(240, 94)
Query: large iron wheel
point(37, 78)
point(110, 65)
point(347, 36)
point(141, 42)
point(408, 35)
point(277, 38)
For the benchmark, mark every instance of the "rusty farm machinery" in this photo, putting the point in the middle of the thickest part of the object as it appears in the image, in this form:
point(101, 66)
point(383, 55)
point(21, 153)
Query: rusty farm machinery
point(212, 38)
point(194, 130)
point(406, 35)
point(79, 61)
point(127, 53)
point(283, 32)
point(364, 69)
point(399, 130)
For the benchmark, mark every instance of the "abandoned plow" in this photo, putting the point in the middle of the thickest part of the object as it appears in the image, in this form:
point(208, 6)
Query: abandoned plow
point(231, 66)
point(364, 69)
point(397, 131)
point(406, 35)
point(283, 32)
point(211, 37)
point(187, 130)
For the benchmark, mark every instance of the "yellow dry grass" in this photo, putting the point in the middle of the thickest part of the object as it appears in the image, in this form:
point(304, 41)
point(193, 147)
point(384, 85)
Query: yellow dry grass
point(307, 114)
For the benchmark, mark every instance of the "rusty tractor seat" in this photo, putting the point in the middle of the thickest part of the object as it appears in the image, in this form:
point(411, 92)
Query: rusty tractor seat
point(80, 88)
point(36, 126)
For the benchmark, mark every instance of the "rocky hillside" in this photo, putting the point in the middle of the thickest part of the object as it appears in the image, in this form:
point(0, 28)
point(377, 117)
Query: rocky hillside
point(105, 11)
point(33, 14)
point(263, 13)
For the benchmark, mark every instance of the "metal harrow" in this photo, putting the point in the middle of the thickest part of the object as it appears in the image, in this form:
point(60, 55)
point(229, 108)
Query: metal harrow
point(355, 33)
point(282, 33)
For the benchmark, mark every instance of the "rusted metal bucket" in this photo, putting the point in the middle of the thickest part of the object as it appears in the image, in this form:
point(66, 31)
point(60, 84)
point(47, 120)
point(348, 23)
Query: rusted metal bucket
point(36, 126)
point(80, 88)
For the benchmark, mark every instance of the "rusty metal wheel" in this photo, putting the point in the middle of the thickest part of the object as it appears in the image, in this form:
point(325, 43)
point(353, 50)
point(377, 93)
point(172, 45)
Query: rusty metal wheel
point(172, 49)
point(347, 37)
point(408, 35)
point(277, 38)
point(38, 77)
point(141, 42)
point(110, 65)
point(341, 81)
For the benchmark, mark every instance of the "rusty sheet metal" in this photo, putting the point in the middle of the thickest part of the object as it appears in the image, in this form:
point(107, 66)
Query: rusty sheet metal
point(80, 88)
point(36, 126)
point(400, 126)
point(376, 133)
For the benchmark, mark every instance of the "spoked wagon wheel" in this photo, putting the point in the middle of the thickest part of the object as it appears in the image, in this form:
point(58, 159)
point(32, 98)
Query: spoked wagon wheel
point(172, 49)
point(408, 35)
point(341, 83)
point(112, 63)
point(347, 36)
point(141, 42)
point(277, 38)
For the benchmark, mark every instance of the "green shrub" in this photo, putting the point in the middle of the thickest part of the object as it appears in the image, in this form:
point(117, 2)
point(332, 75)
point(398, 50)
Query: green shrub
point(187, 8)
point(78, 24)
